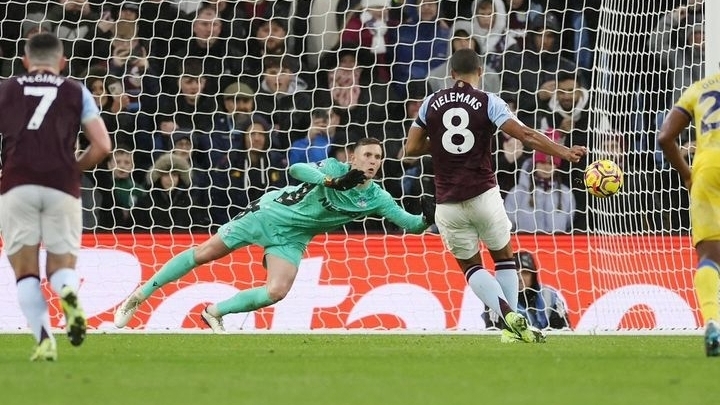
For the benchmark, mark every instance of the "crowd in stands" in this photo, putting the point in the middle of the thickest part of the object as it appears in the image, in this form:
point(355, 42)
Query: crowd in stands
point(208, 102)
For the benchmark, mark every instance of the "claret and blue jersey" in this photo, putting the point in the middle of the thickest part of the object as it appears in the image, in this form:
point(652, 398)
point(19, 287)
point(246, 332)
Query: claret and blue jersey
point(461, 122)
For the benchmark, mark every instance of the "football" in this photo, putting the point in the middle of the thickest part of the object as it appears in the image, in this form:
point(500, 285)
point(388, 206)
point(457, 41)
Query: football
point(603, 178)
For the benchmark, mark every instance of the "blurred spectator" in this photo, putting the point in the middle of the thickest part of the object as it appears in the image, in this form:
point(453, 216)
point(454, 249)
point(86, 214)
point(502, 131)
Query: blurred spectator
point(118, 190)
point(182, 146)
point(167, 206)
point(163, 27)
point(567, 117)
point(129, 61)
point(259, 10)
point(415, 174)
point(284, 100)
point(235, 22)
point(326, 22)
point(261, 168)
point(268, 38)
point(77, 26)
point(189, 108)
point(541, 304)
point(339, 148)
point(441, 78)
point(422, 44)
point(510, 157)
point(361, 105)
point(488, 27)
point(685, 60)
point(29, 27)
point(215, 150)
point(540, 203)
point(370, 28)
point(177, 140)
point(316, 144)
point(217, 57)
point(396, 166)
point(530, 72)
point(520, 14)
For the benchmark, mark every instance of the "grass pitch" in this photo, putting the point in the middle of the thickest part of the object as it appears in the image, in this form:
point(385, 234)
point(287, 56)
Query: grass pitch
point(372, 369)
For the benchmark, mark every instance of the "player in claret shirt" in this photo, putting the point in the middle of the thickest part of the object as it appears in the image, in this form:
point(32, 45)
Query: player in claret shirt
point(40, 188)
point(456, 127)
point(283, 222)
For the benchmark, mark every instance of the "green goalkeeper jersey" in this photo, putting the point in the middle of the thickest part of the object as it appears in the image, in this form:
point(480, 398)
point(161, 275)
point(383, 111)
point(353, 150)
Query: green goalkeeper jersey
point(310, 208)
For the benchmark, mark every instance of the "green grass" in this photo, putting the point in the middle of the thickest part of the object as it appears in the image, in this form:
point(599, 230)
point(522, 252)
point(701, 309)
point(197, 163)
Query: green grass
point(373, 369)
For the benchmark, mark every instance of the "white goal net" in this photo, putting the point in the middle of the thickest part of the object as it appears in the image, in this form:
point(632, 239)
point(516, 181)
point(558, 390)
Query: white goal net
point(222, 96)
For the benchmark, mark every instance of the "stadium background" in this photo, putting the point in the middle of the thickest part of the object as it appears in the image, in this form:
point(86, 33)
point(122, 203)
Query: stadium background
point(627, 274)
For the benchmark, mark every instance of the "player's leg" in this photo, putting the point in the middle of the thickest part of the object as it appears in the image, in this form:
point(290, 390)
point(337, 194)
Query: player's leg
point(461, 238)
point(282, 263)
point(705, 214)
point(488, 216)
point(61, 228)
point(19, 224)
point(707, 283)
point(493, 226)
point(181, 264)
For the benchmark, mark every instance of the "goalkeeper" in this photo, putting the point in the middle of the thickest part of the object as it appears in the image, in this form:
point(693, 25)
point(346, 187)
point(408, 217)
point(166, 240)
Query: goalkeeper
point(283, 222)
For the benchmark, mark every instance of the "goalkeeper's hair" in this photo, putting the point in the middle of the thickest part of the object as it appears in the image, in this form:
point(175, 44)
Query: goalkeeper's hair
point(366, 141)
point(465, 61)
point(44, 49)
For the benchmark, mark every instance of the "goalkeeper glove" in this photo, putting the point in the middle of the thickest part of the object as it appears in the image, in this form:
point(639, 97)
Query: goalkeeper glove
point(346, 181)
point(427, 204)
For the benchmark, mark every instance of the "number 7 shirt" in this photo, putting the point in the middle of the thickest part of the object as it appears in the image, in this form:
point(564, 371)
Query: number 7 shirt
point(41, 117)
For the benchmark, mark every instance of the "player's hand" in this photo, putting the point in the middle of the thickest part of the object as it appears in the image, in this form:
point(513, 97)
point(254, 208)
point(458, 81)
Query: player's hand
point(688, 183)
point(427, 204)
point(576, 153)
point(346, 181)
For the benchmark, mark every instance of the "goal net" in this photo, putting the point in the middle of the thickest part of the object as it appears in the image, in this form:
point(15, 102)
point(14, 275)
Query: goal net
point(208, 103)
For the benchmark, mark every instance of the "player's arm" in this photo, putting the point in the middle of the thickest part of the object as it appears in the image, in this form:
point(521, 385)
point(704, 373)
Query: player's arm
point(538, 141)
point(412, 223)
point(676, 121)
point(321, 174)
point(95, 132)
point(503, 118)
point(418, 143)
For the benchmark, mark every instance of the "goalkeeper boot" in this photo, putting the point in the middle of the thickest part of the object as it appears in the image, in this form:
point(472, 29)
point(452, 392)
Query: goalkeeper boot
point(508, 336)
point(712, 340)
point(75, 322)
point(518, 324)
point(45, 351)
point(214, 322)
point(125, 312)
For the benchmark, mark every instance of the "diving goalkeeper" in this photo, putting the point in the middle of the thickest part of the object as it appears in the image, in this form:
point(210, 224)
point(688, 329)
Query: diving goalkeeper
point(283, 222)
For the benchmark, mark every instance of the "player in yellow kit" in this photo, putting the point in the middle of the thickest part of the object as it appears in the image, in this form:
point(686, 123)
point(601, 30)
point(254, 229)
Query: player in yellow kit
point(700, 104)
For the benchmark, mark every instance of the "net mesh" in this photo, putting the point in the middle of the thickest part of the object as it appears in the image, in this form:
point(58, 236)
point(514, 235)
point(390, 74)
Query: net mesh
point(222, 96)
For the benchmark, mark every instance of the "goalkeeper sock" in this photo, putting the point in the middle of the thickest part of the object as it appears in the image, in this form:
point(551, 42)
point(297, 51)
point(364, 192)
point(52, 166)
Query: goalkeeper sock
point(65, 277)
point(707, 283)
point(175, 268)
point(34, 307)
point(245, 301)
point(507, 276)
point(486, 287)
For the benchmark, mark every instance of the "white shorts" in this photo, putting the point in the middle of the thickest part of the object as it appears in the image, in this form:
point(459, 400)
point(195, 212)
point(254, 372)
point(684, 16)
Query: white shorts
point(32, 214)
point(463, 225)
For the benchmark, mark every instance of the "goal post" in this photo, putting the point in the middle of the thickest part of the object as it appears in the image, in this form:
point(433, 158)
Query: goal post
point(629, 267)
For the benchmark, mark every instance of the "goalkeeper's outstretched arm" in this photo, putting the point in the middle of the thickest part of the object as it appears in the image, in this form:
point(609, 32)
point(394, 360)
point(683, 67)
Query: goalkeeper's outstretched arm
point(308, 173)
